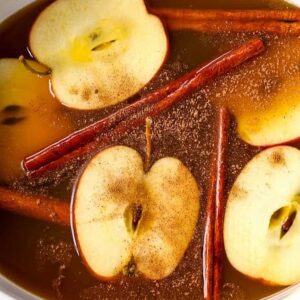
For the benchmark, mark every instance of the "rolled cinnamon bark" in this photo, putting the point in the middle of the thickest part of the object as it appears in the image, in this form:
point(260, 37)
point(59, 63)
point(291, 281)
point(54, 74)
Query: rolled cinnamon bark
point(275, 27)
point(222, 146)
point(287, 15)
point(213, 237)
point(37, 207)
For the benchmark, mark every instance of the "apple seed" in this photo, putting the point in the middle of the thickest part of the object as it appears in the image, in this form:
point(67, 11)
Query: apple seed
point(12, 120)
point(103, 45)
point(12, 109)
point(287, 224)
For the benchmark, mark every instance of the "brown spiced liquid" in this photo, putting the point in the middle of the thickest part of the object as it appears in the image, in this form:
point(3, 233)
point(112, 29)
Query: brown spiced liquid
point(41, 257)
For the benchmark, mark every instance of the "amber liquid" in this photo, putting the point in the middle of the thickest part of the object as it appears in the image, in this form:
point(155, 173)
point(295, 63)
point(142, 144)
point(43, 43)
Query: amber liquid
point(41, 257)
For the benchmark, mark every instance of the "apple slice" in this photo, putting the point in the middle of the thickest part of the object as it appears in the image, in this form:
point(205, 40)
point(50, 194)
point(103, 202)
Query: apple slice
point(277, 124)
point(30, 118)
point(262, 218)
point(267, 100)
point(264, 95)
point(100, 52)
point(127, 221)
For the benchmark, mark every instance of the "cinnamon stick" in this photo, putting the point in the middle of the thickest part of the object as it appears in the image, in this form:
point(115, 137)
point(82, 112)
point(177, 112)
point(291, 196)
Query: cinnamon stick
point(52, 159)
point(213, 238)
point(37, 207)
point(208, 242)
point(84, 136)
point(222, 145)
point(148, 135)
point(275, 27)
point(283, 22)
point(287, 15)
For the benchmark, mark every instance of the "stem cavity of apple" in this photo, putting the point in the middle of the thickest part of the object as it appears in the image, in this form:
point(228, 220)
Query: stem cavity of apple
point(285, 217)
point(23, 60)
point(130, 269)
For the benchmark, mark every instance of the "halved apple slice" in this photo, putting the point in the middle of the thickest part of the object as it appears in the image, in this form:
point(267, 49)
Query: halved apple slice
point(100, 52)
point(126, 220)
point(30, 118)
point(276, 124)
point(262, 218)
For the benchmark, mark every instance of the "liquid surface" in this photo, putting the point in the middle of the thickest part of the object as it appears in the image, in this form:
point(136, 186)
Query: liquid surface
point(41, 257)
point(25, 102)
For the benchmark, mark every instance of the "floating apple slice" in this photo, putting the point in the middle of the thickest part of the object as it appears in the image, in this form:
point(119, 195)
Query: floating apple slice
point(264, 95)
point(277, 124)
point(262, 218)
point(100, 52)
point(127, 221)
point(30, 118)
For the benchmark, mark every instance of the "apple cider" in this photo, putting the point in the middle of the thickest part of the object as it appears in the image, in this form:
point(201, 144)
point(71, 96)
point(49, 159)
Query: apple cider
point(41, 257)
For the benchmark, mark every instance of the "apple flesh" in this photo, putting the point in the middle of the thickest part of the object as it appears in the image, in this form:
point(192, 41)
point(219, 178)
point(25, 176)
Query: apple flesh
point(262, 221)
point(127, 221)
point(100, 52)
point(30, 118)
point(267, 102)
point(277, 124)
